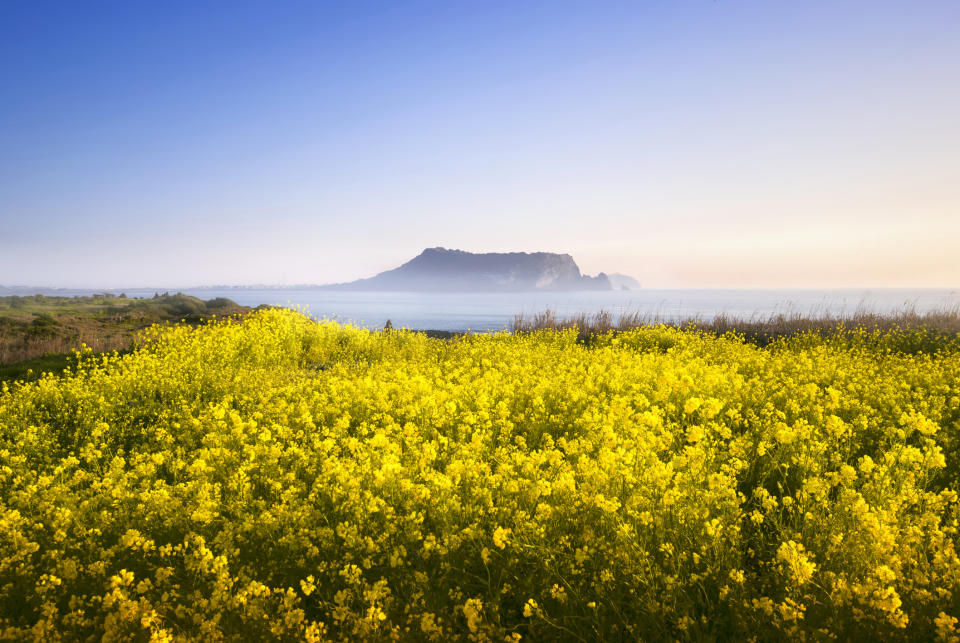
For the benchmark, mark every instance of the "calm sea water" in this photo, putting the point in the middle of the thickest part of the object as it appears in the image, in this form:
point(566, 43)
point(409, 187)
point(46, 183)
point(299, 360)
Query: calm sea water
point(495, 311)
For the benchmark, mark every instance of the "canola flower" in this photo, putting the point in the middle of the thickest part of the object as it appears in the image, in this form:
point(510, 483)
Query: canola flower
point(283, 479)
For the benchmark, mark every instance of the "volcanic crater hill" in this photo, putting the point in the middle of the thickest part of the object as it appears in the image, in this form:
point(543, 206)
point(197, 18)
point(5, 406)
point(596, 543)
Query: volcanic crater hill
point(440, 269)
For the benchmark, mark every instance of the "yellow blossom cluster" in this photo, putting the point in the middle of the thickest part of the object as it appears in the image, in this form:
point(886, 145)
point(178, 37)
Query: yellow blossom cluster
point(286, 479)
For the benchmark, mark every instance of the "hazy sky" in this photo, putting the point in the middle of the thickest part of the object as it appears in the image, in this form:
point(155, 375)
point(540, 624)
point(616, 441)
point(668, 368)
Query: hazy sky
point(686, 143)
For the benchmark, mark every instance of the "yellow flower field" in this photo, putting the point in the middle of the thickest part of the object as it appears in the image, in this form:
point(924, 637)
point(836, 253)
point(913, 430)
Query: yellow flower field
point(279, 478)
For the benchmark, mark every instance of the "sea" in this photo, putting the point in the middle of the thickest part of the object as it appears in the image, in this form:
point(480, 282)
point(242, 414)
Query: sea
point(486, 312)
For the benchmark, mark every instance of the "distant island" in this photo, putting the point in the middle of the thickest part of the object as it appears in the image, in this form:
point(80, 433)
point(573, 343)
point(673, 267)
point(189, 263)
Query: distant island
point(434, 270)
point(440, 269)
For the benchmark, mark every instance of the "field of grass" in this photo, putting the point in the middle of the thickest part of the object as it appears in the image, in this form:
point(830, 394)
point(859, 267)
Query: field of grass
point(280, 478)
point(758, 329)
point(41, 331)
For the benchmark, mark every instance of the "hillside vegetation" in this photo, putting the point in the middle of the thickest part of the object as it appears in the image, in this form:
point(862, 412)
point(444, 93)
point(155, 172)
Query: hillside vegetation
point(279, 478)
point(45, 329)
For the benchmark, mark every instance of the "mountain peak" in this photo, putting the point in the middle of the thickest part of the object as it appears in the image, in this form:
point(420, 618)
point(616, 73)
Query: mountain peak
point(443, 269)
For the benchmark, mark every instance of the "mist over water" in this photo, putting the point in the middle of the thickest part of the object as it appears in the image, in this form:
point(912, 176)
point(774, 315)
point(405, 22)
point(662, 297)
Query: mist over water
point(495, 311)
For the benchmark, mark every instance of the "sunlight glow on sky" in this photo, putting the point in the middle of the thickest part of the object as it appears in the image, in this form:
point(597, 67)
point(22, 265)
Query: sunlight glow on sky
point(688, 144)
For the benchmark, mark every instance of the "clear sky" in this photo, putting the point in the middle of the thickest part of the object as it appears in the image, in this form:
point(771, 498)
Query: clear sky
point(687, 143)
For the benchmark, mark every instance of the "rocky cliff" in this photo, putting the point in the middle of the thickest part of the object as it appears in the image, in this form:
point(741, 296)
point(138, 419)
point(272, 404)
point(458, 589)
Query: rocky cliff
point(440, 269)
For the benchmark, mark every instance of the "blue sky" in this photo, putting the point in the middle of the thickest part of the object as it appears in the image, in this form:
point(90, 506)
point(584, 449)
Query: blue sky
point(690, 144)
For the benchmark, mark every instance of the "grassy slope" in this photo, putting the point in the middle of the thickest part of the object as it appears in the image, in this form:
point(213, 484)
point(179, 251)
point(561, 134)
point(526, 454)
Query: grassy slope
point(39, 333)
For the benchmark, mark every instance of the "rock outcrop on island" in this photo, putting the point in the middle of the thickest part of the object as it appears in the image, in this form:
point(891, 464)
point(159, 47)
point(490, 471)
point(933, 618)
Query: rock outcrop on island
point(440, 269)
point(623, 282)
